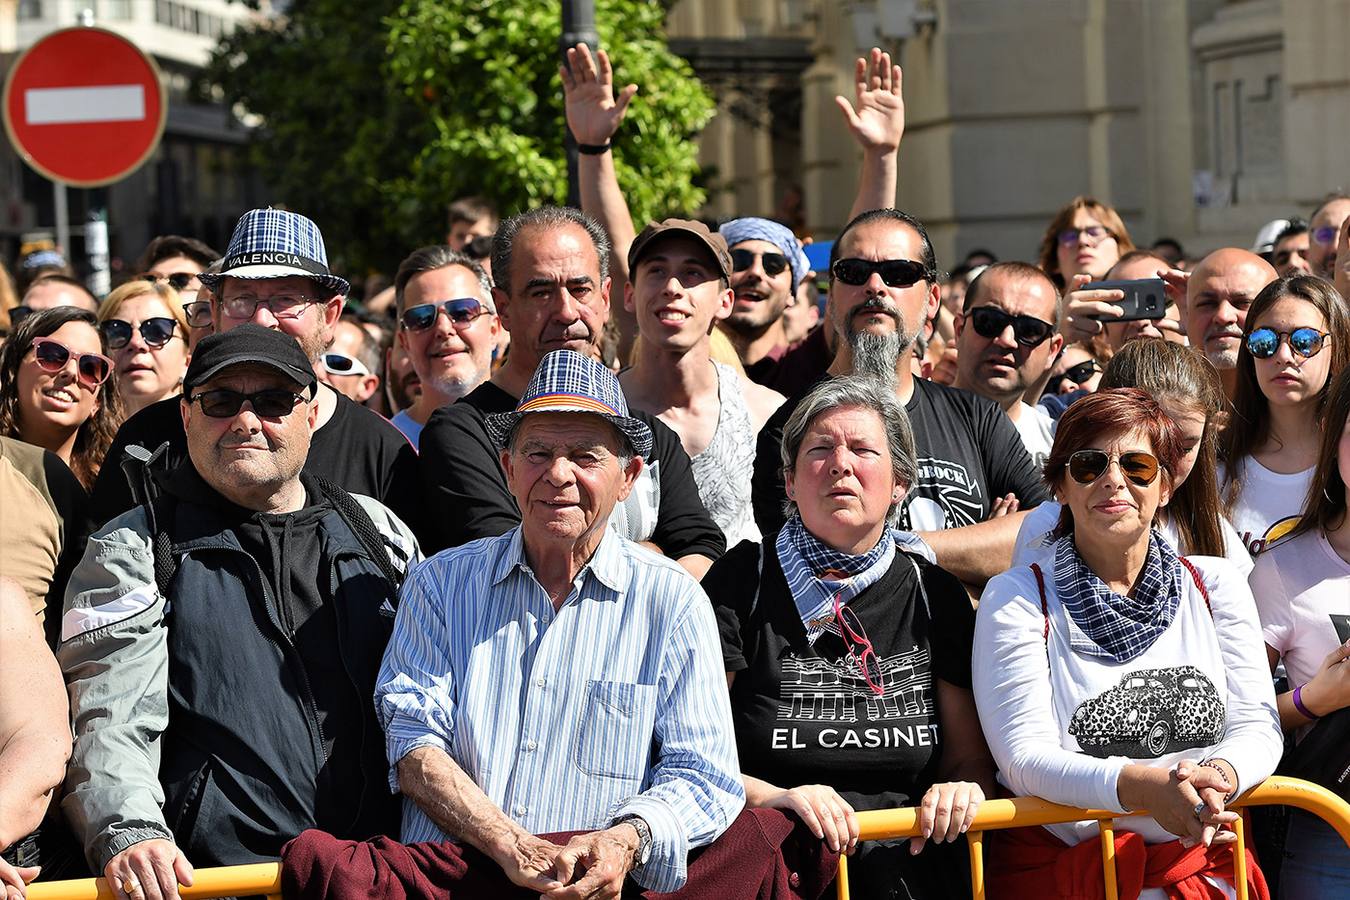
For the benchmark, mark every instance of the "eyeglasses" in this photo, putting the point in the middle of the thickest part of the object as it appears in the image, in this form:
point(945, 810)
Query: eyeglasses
point(175, 280)
point(1263, 343)
point(894, 272)
point(990, 322)
point(52, 356)
point(155, 332)
point(18, 314)
point(1070, 236)
point(342, 364)
point(851, 629)
point(1324, 235)
point(773, 263)
point(462, 312)
point(272, 403)
point(198, 313)
point(1076, 374)
point(283, 306)
point(1138, 467)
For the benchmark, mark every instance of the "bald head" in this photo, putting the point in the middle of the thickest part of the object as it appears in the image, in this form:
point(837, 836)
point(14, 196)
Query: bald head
point(1217, 296)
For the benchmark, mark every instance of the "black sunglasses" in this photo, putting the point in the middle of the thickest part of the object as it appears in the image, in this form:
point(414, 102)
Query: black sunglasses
point(1138, 467)
point(272, 403)
point(990, 322)
point(461, 312)
point(1263, 343)
point(1076, 374)
point(894, 272)
point(175, 280)
point(774, 263)
point(155, 332)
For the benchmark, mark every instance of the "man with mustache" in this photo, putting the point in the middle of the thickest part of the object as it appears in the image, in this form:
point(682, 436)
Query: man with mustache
point(1006, 342)
point(1218, 292)
point(222, 691)
point(1324, 226)
point(551, 265)
point(883, 288)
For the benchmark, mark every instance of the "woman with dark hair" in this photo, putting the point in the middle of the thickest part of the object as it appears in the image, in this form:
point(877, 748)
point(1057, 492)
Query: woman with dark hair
point(1297, 334)
point(53, 390)
point(1302, 589)
point(1086, 237)
point(1187, 387)
point(848, 654)
point(1114, 674)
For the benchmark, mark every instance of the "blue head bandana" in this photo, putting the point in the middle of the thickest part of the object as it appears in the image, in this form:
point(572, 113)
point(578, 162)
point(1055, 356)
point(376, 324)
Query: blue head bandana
point(751, 228)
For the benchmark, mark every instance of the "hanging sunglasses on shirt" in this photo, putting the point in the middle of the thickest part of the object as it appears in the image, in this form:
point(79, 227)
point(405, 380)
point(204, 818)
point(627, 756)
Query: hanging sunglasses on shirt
point(272, 403)
point(851, 629)
point(773, 263)
point(894, 272)
point(1138, 467)
point(990, 321)
point(1263, 343)
point(461, 312)
point(52, 356)
point(155, 332)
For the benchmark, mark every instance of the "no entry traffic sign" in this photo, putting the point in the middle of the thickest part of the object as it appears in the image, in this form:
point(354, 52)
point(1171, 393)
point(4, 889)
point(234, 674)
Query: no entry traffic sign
point(84, 106)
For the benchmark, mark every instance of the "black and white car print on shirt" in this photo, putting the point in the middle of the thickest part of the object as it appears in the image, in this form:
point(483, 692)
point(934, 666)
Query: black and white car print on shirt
point(1150, 713)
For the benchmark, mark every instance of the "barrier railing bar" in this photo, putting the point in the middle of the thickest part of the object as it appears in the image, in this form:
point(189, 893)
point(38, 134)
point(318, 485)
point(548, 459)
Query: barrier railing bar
point(1240, 859)
point(225, 881)
point(976, 841)
point(1107, 835)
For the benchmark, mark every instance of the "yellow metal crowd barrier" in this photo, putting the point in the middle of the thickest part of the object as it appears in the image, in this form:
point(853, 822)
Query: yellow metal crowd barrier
point(999, 814)
point(265, 878)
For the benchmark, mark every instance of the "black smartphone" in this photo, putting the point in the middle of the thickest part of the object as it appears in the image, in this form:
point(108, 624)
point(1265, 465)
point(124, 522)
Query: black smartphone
point(1145, 298)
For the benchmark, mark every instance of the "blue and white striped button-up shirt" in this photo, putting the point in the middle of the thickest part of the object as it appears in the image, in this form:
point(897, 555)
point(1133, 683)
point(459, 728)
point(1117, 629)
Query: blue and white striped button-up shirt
point(615, 704)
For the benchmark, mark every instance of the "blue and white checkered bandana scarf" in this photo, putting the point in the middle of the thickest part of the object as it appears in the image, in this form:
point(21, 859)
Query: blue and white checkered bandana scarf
point(804, 558)
point(1110, 625)
point(752, 228)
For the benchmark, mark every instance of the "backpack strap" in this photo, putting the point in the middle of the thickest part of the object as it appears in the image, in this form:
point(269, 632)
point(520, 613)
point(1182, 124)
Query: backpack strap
point(359, 521)
point(1045, 608)
point(159, 512)
point(1199, 582)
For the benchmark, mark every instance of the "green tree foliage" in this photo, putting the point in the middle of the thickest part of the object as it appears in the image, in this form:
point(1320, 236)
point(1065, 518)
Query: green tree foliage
point(377, 114)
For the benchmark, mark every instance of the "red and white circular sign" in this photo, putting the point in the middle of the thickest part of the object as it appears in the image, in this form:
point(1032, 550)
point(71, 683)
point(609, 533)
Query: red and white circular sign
point(84, 106)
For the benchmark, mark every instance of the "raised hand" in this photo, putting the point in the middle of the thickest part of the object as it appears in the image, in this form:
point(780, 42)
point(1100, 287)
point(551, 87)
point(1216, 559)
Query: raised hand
point(593, 112)
point(878, 122)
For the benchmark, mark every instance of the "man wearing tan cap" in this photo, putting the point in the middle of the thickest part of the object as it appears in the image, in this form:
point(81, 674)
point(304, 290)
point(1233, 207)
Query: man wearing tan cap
point(678, 288)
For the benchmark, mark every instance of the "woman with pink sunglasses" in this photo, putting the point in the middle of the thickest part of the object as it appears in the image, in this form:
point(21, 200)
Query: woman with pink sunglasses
point(848, 652)
point(54, 388)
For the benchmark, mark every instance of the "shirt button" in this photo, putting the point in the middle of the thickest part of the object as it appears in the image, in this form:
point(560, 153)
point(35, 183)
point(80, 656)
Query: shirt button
point(539, 682)
point(530, 745)
point(520, 810)
point(794, 880)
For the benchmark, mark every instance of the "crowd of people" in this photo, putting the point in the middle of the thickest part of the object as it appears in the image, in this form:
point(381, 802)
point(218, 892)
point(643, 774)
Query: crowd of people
point(578, 549)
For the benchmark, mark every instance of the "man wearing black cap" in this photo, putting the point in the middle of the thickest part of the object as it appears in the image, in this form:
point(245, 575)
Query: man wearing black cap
point(275, 274)
point(679, 286)
point(221, 643)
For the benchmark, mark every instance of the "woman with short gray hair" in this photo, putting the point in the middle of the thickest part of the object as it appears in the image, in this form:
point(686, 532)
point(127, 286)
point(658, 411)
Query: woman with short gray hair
point(848, 654)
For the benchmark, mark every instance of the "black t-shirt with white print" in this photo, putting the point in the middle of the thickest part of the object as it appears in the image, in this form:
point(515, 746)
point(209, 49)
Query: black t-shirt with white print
point(969, 453)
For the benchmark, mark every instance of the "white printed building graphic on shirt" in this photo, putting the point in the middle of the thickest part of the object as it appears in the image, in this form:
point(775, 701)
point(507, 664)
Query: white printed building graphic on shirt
point(1150, 713)
point(825, 690)
point(944, 496)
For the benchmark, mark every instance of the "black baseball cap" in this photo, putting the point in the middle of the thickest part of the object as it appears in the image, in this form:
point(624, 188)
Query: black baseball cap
point(250, 344)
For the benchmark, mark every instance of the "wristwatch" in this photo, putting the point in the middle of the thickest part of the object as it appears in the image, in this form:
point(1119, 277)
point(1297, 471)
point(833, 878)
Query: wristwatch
point(644, 833)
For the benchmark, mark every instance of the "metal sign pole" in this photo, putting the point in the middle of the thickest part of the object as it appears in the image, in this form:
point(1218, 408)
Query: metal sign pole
point(62, 218)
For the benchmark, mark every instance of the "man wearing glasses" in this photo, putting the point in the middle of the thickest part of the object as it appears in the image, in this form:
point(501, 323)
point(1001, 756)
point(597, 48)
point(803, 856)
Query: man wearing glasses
point(351, 365)
point(275, 274)
point(447, 324)
point(1323, 229)
point(1006, 342)
point(222, 697)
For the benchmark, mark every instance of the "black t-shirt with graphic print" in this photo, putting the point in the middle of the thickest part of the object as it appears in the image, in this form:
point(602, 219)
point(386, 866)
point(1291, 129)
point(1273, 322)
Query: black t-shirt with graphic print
point(969, 452)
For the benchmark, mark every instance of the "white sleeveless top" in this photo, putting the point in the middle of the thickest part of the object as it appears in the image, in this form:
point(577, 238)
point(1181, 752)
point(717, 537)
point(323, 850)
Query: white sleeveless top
point(722, 471)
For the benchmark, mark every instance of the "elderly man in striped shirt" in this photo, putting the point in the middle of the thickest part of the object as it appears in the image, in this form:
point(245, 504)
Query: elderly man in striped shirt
point(560, 677)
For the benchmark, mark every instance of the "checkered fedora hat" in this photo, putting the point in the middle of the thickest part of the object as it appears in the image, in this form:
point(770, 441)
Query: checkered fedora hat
point(568, 381)
point(275, 243)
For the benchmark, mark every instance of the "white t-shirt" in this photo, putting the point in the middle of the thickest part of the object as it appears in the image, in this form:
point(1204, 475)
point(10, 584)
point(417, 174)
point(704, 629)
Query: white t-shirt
point(1037, 431)
point(1269, 504)
point(1033, 538)
point(1301, 587)
point(1201, 690)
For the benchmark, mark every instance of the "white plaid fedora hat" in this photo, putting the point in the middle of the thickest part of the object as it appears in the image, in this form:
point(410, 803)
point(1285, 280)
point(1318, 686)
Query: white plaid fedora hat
point(275, 243)
point(568, 381)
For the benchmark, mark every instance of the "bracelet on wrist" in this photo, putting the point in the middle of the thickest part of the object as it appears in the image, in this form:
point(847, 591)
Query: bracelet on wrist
point(594, 149)
point(1298, 703)
point(1211, 764)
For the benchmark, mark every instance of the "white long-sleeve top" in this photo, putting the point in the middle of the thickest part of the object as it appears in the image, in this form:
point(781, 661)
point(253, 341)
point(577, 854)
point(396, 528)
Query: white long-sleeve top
point(1157, 709)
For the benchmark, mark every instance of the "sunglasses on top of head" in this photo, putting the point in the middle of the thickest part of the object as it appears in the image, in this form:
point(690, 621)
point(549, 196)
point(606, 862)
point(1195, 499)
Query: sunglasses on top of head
point(52, 355)
point(1263, 343)
point(990, 322)
point(273, 403)
point(156, 332)
point(1138, 467)
point(894, 272)
point(462, 312)
point(175, 280)
point(773, 263)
